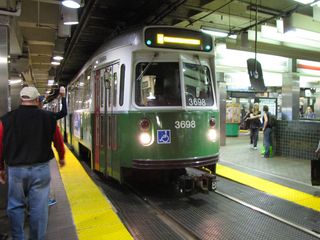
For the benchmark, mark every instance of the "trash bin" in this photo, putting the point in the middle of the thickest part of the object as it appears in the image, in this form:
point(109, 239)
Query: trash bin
point(232, 129)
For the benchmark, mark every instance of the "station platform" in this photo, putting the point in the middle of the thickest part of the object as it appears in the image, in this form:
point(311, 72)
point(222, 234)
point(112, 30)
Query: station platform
point(83, 211)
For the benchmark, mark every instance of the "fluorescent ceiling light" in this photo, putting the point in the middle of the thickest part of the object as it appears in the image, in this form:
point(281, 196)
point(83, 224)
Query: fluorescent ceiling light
point(215, 32)
point(298, 36)
point(14, 81)
point(50, 82)
point(235, 60)
point(3, 60)
point(57, 58)
point(305, 1)
point(300, 33)
point(71, 3)
point(317, 4)
point(233, 36)
point(55, 63)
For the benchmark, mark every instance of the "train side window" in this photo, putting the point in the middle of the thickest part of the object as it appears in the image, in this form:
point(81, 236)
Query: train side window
point(122, 75)
point(101, 90)
point(115, 88)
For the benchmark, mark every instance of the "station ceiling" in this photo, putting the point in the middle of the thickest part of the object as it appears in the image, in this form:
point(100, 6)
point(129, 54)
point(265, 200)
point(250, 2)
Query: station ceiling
point(34, 26)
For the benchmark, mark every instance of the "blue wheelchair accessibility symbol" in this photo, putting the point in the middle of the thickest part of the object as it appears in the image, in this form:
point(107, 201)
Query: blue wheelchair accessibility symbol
point(163, 136)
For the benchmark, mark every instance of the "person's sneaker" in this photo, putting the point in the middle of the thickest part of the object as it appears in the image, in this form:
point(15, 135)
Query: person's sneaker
point(255, 148)
point(51, 201)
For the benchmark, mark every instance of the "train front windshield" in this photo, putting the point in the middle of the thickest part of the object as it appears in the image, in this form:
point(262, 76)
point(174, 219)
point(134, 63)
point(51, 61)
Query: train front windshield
point(158, 84)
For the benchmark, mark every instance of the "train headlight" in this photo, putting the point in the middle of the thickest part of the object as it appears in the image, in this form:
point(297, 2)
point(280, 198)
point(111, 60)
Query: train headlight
point(212, 135)
point(145, 139)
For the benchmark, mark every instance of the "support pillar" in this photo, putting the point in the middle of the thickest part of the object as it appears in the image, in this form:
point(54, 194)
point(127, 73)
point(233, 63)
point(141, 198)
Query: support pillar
point(4, 73)
point(290, 93)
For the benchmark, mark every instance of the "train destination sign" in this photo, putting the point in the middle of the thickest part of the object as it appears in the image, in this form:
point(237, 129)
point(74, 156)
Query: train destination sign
point(175, 38)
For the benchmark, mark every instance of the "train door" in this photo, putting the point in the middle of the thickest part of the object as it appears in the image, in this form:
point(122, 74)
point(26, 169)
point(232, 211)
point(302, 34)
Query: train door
point(98, 98)
point(110, 123)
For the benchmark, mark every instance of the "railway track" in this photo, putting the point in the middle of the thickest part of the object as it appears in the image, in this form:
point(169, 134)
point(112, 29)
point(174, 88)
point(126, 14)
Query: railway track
point(217, 215)
point(271, 215)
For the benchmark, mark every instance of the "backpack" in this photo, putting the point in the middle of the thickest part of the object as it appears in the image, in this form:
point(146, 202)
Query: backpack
point(271, 120)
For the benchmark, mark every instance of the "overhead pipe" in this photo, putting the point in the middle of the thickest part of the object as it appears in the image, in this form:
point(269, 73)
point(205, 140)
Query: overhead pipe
point(16, 12)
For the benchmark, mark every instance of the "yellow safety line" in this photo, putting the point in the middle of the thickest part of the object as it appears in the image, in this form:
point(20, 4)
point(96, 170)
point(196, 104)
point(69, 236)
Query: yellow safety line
point(92, 213)
point(289, 194)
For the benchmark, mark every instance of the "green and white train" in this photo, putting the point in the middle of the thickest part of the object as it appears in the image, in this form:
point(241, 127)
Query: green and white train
point(146, 102)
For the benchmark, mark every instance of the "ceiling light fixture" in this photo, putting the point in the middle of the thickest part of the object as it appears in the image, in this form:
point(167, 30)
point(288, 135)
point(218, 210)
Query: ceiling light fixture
point(57, 57)
point(70, 16)
point(50, 82)
point(14, 81)
point(71, 3)
point(316, 4)
point(215, 32)
point(56, 63)
point(305, 1)
point(295, 36)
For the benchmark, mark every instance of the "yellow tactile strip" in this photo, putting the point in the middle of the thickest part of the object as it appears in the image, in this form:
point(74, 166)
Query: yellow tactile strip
point(289, 194)
point(93, 215)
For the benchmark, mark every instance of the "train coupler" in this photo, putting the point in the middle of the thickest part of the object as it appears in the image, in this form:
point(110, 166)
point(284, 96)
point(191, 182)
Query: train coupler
point(191, 183)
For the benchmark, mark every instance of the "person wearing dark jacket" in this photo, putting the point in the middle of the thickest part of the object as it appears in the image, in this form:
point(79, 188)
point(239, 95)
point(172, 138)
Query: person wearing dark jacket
point(58, 115)
point(255, 124)
point(26, 135)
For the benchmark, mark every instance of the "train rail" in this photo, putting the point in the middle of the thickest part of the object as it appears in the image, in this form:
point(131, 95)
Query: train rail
point(280, 219)
point(159, 214)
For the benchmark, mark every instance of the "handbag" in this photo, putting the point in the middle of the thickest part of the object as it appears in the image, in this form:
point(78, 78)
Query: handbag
point(263, 150)
point(315, 172)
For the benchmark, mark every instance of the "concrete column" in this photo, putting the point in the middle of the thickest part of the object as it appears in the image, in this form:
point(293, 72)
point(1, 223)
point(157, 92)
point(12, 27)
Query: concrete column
point(4, 73)
point(222, 102)
point(290, 93)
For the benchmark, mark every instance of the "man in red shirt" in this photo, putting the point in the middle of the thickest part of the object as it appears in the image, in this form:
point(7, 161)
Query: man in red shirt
point(26, 135)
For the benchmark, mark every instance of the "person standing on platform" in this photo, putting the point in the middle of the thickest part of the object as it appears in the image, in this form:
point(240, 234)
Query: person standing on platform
point(255, 125)
point(267, 130)
point(309, 113)
point(247, 123)
point(26, 135)
point(58, 115)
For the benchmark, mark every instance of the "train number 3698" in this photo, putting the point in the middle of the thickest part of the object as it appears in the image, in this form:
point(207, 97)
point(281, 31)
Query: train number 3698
point(185, 124)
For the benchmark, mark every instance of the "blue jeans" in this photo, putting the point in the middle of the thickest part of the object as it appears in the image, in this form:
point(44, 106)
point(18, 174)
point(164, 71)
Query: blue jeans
point(267, 141)
point(28, 185)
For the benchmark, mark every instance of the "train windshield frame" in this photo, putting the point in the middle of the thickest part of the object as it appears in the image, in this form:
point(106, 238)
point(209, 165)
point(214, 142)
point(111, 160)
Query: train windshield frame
point(198, 85)
point(158, 84)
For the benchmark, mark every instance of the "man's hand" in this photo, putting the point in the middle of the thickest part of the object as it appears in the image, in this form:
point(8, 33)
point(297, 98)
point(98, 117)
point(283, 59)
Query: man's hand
point(3, 176)
point(62, 162)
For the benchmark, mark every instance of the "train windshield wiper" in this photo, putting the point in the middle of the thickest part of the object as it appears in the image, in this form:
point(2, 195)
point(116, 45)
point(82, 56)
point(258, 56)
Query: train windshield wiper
point(147, 67)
